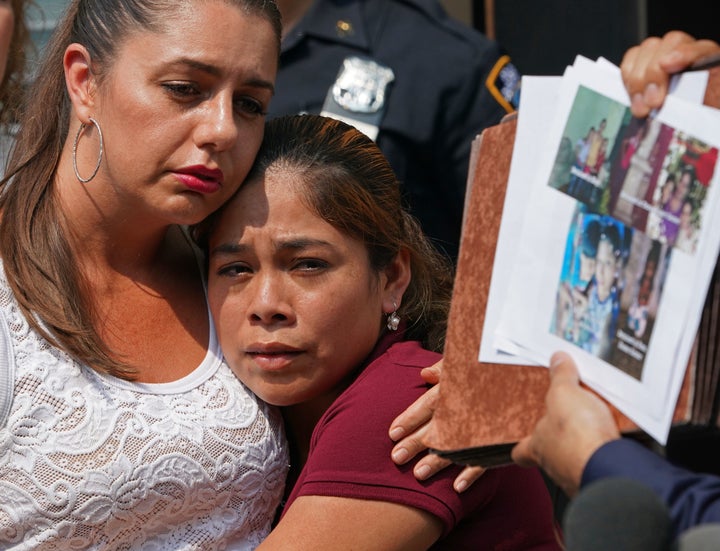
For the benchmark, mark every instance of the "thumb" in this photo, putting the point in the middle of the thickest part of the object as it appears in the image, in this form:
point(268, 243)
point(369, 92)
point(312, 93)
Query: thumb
point(563, 369)
point(431, 374)
point(521, 453)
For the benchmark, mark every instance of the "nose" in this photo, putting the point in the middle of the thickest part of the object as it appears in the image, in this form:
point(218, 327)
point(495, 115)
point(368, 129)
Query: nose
point(218, 127)
point(270, 303)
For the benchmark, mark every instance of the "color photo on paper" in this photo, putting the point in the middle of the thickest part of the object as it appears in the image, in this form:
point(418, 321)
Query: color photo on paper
point(661, 186)
point(588, 146)
point(609, 290)
point(645, 174)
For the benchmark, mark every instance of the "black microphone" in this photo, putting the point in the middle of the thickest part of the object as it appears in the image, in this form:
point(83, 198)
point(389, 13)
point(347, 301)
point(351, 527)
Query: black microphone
point(617, 514)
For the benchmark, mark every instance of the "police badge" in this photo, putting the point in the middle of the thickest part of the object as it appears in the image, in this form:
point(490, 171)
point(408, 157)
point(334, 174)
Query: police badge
point(357, 96)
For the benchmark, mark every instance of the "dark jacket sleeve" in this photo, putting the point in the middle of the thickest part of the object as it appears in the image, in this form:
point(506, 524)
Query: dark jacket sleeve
point(692, 498)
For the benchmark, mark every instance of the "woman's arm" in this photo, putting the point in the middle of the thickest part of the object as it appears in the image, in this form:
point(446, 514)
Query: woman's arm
point(349, 494)
point(320, 522)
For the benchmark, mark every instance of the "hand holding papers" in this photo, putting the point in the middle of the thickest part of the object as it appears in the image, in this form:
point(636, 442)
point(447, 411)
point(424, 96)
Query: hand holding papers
point(540, 241)
point(618, 240)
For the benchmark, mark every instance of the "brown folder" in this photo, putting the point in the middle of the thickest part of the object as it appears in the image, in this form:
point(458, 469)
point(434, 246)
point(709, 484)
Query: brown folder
point(485, 408)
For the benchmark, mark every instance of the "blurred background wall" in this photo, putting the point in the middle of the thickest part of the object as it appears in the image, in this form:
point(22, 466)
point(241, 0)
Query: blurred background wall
point(543, 36)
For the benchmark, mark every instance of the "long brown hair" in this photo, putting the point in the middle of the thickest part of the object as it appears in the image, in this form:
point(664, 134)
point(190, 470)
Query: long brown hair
point(349, 183)
point(35, 253)
point(11, 87)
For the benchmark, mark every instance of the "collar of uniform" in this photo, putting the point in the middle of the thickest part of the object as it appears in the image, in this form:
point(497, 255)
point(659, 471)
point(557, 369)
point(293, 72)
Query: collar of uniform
point(323, 21)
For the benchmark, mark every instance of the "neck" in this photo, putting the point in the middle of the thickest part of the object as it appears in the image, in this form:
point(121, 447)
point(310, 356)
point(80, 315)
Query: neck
point(103, 232)
point(300, 421)
point(292, 12)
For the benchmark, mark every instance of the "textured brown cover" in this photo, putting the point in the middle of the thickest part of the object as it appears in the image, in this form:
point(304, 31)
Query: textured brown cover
point(485, 408)
point(482, 404)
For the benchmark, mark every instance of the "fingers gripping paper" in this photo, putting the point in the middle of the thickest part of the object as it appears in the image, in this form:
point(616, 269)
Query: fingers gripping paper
point(486, 407)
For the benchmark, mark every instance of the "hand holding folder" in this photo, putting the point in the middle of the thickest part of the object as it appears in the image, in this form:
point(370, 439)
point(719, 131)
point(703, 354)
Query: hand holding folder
point(485, 408)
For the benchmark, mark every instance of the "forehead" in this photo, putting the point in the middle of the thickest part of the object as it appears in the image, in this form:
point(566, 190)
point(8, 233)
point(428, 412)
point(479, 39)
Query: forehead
point(275, 192)
point(274, 206)
point(219, 31)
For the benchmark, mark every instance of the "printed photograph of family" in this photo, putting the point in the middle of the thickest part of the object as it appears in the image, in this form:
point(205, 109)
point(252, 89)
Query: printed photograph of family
point(609, 290)
point(640, 187)
point(643, 173)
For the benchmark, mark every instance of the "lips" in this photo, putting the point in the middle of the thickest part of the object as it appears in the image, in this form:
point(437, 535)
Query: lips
point(201, 179)
point(272, 358)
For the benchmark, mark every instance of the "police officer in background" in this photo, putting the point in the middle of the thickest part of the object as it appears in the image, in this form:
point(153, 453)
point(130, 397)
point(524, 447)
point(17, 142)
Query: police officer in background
point(420, 83)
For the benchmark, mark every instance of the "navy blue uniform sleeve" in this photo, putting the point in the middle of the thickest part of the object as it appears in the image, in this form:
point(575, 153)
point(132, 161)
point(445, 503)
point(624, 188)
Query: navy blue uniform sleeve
point(472, 107)
point(692, 498)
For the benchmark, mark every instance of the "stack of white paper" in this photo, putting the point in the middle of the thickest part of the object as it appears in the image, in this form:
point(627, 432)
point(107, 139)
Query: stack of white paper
point(609, 236)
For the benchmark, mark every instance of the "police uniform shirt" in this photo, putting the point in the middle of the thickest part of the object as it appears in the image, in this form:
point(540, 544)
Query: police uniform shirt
point(449, 82)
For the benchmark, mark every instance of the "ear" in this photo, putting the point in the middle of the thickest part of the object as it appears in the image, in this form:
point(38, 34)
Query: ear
point(397, 278)
point(80, 81)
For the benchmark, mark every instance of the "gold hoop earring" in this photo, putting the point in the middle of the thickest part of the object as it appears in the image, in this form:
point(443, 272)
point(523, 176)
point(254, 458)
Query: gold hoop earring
point(74, 151)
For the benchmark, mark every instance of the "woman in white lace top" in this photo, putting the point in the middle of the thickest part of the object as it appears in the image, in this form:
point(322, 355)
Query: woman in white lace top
point(126, 429)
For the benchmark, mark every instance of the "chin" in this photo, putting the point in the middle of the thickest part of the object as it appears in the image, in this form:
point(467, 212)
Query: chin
point(277, 399)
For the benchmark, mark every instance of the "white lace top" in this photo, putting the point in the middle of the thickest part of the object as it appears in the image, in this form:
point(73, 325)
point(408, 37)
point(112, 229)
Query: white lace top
point(92, 462)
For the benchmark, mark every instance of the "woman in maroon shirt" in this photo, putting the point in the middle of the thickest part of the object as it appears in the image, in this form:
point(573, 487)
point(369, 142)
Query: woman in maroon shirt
point(328, 301)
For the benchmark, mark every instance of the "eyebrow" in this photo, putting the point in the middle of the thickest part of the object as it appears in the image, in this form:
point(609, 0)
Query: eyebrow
point(302, 243)
point(215, 71)
point(227, 248)
point(291, 244)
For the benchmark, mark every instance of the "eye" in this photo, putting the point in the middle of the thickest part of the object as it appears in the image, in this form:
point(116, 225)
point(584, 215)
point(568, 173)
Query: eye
point(310, 265)
point(249, 106)
point(234, 270)
point(182, 90)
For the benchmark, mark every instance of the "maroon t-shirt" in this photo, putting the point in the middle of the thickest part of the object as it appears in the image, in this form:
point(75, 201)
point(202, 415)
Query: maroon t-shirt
point(508, 508)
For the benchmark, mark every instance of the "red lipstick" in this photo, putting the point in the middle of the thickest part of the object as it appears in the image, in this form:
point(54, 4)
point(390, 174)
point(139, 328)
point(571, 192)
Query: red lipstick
point(200, 178)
